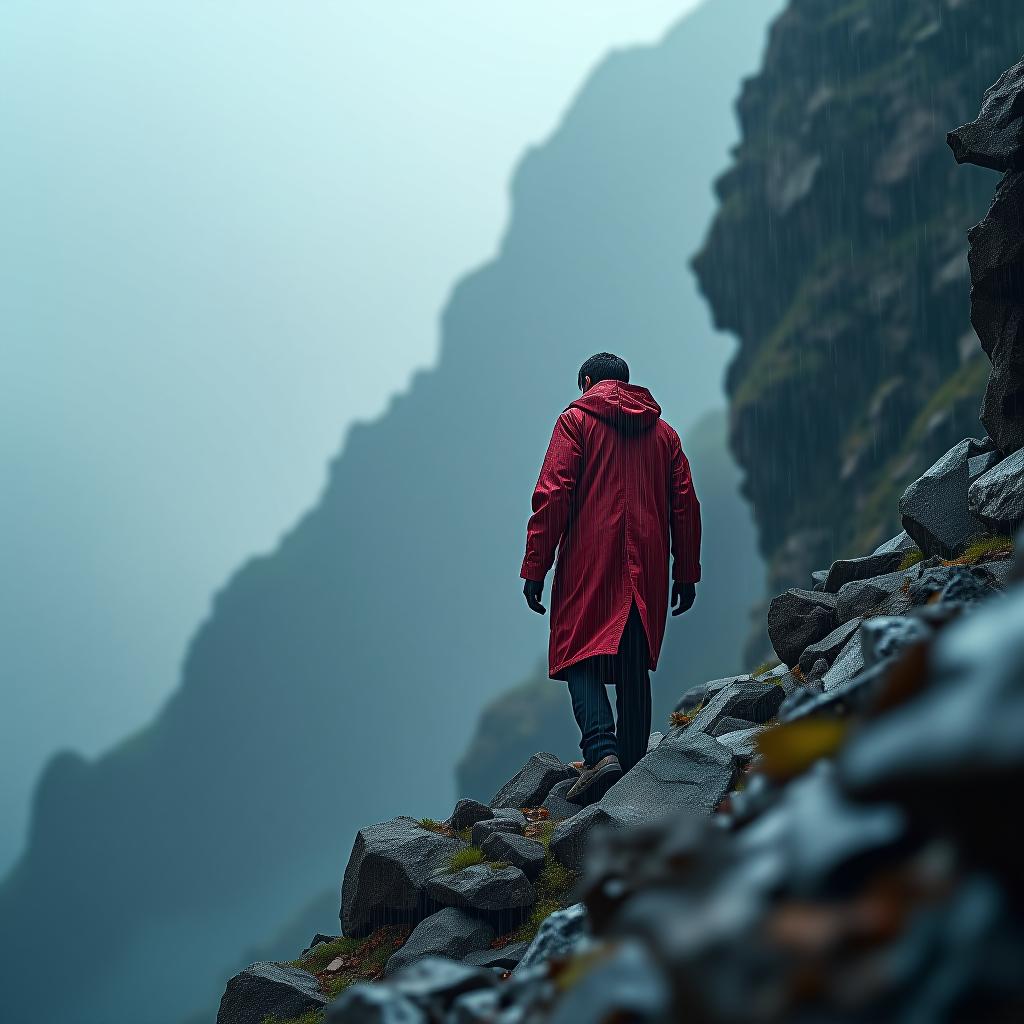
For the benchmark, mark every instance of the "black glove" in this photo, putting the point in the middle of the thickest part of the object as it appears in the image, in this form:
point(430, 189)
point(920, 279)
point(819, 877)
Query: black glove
point(532, 589)
point(683, 596)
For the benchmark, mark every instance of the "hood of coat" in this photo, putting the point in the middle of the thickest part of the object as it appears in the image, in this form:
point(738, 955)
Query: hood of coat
point(626, 406)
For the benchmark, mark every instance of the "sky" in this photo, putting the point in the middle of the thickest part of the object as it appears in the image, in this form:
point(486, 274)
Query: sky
point(228, 231)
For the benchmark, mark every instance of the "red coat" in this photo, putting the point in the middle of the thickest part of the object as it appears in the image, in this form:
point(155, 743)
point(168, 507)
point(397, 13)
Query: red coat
point(614, 494)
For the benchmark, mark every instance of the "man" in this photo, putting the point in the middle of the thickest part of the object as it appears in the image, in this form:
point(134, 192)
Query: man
point(613, 495)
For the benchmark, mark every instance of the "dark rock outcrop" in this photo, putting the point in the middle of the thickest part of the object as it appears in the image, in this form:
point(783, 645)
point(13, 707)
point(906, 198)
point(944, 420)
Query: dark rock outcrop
point(532, 783)
point(997, 496)
point(526, 854)
point(798, 619)
point(388, 869)
point(483, 888)
point(269, 990)
point(467, 813)
point(997, 255)
point(450, 933)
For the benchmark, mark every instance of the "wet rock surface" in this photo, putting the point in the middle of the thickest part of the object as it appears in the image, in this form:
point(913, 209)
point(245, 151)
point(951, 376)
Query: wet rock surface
point(533, 782)
point(798, 619)
point(269, 990)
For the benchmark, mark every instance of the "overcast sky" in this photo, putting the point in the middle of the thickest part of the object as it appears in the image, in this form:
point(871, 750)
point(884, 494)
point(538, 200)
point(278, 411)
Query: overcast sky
point(228, 230)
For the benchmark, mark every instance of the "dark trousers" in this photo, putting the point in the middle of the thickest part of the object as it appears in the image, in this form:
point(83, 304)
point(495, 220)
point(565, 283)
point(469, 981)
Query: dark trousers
point(627, 670)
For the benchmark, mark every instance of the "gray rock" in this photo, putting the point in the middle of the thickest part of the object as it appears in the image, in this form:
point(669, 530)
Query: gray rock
point(483, 830)
point(997, 497)
point(434, 983)
point(687, 773)
point(797, 619)
point(482, 888)
point(703, 692)
point(556, 804)
point(269, 990)
point(829, 647)
point(653, 740)
point(387, 871)
point(512, 814)
point(819, 576)
point(562, 934)
point(569, 839)
point(467, 813)
point(849, 569)
point(742, 742)
point(887, 635)
point(996, 139)
point(893, 594)
point(526, 854)
point(725, 725)
point(480, 1007)
point(450, 933)
point(934, 508)
point(980, 465)
point(753, 701)
point(506, 958)
point(901, 542)
point(363, 1003)
point(532, 783)
point(849, 662)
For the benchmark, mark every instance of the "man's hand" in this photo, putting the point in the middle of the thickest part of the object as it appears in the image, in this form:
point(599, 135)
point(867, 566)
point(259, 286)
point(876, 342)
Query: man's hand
point(683, 596)
point(532, 589)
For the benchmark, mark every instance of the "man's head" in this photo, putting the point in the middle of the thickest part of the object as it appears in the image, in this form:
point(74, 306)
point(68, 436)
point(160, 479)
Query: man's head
point(603, 366)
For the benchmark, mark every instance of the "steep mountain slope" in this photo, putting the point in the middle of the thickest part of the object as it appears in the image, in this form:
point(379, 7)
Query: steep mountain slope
point(334, 679)
point(838, 257)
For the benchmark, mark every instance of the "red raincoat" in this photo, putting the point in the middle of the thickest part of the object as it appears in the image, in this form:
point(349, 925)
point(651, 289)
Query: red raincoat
point(614, 494)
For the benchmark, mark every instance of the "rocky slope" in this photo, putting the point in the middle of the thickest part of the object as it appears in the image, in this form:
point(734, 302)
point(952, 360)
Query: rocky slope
point(313, 695)
point(826, 841)
point(837, 258)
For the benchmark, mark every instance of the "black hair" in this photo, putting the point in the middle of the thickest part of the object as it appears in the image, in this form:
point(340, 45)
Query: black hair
point(604, 366)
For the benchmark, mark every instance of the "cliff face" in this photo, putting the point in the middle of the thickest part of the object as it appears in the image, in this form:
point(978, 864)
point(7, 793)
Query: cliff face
point(336, 678)
point(838, 258)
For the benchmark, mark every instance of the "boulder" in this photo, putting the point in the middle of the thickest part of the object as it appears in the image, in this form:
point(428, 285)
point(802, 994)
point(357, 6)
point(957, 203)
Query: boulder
point(828, 647)
point(725, 725)
point(505, 958)
point(556, 804)
point(753, 701)
point(797, 619)
point(363, 1003)
point(703, 692)
point(511, 814)
point(482, 830)
point(483, 888)
point(526, 854)
point(997, 497)
point(387, 871)
point(849, 569)
point(934, 507)
point(450, 933)
point(433, 984)
point(686, 773)
point(901, 542)
point(467, 813)
point(742, 743)
point(562, 934)
point(887, 635)
point(980, 465)
point(269, 990)
point(848, 663)
point(569, 839)
point(653, 740)
point(893, 594)
point(532, 783)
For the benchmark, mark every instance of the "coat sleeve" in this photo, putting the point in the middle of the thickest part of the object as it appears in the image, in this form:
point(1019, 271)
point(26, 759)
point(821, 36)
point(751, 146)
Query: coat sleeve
point(684, 520)
point(552, 495)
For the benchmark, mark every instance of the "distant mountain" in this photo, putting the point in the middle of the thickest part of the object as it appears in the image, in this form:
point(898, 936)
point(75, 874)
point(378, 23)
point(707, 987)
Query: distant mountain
point(838, 256)
point(336, 679)
point(705, 643)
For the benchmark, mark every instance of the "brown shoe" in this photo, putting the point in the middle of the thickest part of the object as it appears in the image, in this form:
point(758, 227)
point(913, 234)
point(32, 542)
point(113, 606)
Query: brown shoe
point(594, 782)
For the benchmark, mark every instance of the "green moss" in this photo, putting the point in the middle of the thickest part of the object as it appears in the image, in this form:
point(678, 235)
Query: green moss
point(465, 834)
point(324, 952)
point(911, 558)
point(982, 548)
point(554, 887)
point(466, 858)
point(765, 666)
point(312, 1017)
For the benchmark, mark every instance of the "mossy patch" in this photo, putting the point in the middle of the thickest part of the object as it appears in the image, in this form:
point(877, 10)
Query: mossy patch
point(312, 1017)
point(983, 549)
point(554, 887)
point(911, 558)
point(466, 858)
point(765, 666)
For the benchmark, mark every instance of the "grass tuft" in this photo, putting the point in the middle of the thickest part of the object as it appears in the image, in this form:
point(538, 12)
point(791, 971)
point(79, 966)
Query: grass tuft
point(434, 826)
point(466, 858)
point(983, 548)
point(765, 666)
point(554, 888)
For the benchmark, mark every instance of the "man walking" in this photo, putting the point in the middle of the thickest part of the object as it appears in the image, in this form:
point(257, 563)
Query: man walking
point(613, 496)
